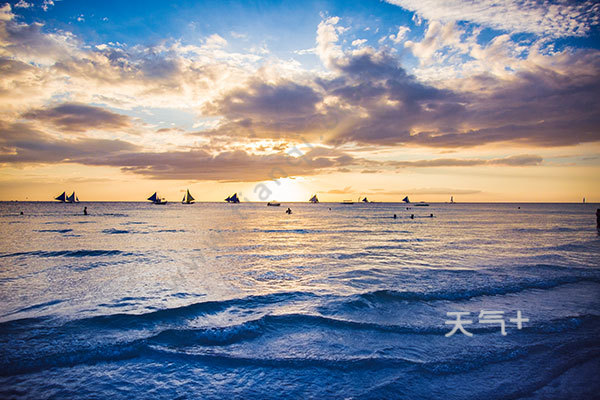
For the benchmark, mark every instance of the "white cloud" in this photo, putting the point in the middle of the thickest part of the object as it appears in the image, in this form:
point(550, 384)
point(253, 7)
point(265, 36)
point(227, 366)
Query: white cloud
point(23, 4)
point(327, 36)
point(215, 41)
point(47, 4)
point(399, 37)
point(5, 13)
point(237, 35)
point(359, 42)
point(548, 18)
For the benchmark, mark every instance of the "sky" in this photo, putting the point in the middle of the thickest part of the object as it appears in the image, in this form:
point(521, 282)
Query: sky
point(487, 100)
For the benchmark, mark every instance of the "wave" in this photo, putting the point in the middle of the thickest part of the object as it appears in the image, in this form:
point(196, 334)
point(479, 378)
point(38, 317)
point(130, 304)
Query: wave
point(198, 344)
point(113, 231)
point(554, 229)
point(390, 295)
point(67, 253)
point(55, 230)
point(123, 320)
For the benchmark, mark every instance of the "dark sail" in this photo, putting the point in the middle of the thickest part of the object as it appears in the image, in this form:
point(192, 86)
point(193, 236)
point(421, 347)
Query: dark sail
point(62, 197)
point(406, 200)
point(153, 197)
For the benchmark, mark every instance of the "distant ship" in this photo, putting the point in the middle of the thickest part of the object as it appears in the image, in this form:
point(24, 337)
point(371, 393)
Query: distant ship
point(273, 203)
point(347, 202)
point(156, 199)
point(418, 204)
point(187, 198)
point(63, 198)
point(233, 199)
point(314, 199)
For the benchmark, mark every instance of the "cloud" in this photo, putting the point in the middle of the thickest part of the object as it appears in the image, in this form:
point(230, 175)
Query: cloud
point(21, 143)
point(345, 190)
point(432, 191)
point(23, 4)
point(547, 18)
point(513, 161)
point(47, 4)
point(73, 117)
point(399, 37)
point(215, 41)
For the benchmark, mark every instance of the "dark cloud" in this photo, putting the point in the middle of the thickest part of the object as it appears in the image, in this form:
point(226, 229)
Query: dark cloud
point(235, 166)
point(379, 103)
point(260, 98)
point(261, 109)
point(74, 117)
point(20, 143)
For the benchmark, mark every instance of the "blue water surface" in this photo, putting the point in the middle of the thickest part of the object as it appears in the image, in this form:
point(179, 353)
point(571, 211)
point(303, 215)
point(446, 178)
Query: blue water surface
point(333, 301)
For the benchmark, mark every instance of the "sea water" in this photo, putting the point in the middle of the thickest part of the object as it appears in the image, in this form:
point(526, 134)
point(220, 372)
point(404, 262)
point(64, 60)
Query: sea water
point(333, 301)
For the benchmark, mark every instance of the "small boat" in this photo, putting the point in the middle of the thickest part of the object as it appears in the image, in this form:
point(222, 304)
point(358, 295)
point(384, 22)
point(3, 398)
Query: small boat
point(451, 199)
point(233, 198)
point(187, 198)
point(365, 200)
point(417, 204)
point(63, 198)
point(273, 204)
point(155, 198)
point(314, 199)
point(347, 202)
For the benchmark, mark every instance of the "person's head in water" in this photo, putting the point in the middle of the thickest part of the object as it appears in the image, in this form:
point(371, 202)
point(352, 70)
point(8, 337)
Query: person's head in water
point(412, 216)
point(395, 216)
point(21, 212)
point(85, 210)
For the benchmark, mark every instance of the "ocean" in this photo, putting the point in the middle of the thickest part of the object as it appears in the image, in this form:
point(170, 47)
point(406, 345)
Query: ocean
point(211, 301)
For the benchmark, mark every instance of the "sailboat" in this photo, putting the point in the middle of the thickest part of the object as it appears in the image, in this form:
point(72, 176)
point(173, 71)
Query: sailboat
point(233, 198)
point(365, 200)
point(418, 204)
point(187, 198)
point(156, 199)
point(62, 197)
point(314, 199)
point(72, 198)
